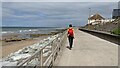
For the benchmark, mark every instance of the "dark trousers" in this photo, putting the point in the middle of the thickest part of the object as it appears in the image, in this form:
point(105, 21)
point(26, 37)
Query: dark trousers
point(70, 41)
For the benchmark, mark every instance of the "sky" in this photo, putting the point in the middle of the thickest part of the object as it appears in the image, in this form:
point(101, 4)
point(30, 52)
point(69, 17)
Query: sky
point(59, 0)
point(52, 14)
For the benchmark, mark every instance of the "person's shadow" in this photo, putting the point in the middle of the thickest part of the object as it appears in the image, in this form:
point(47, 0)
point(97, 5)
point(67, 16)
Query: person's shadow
point(68, 47)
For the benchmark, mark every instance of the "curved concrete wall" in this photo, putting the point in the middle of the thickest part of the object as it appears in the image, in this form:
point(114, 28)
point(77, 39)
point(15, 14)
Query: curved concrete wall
point(103, 35)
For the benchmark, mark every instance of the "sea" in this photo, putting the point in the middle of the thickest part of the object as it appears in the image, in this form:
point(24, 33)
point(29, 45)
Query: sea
point(29, 30)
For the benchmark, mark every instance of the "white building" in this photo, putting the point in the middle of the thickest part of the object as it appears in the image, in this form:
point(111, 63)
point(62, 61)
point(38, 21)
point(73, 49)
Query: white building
point(95, 19)
point(98, 19)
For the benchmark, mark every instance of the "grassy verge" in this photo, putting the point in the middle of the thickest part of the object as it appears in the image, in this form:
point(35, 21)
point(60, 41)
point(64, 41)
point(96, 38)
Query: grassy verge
point(116, 31)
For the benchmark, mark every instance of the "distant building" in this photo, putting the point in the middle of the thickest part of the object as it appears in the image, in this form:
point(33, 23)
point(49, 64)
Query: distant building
point(98, 19)
point(95, 19)
point(119, 5)
point(116, 12)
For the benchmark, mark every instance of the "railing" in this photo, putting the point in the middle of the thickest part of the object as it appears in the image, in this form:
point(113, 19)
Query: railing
point(52, 49)
point(104, 35)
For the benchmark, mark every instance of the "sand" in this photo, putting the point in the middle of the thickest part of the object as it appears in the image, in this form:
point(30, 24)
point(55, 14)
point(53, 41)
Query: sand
point(11, 47)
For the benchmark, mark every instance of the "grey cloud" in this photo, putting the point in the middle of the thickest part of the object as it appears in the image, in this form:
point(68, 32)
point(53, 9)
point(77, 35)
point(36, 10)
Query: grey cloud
point(0, 15)
point(59, 0)
point(53, 14)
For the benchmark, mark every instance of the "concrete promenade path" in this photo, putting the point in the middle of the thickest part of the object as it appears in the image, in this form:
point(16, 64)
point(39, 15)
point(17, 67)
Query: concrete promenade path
point(89, 50)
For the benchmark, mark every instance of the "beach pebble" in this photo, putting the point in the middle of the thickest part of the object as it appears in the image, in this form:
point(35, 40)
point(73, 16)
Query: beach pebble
point(34, 62)
point(45, 50)
point(20, 56)
point(48, 47)
point(47, 53)
point(8, 63)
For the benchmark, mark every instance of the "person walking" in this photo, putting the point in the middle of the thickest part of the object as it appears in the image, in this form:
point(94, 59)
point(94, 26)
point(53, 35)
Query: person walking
point(70, 35)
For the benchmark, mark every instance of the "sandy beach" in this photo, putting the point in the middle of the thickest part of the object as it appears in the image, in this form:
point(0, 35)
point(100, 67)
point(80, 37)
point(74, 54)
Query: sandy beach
point(11, 47)
point(22, 37)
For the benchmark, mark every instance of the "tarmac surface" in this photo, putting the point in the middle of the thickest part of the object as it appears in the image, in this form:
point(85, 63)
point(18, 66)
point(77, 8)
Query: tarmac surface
point(89, 50)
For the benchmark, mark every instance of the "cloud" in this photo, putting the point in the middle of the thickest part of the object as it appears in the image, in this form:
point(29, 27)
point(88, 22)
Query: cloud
point(52, 14)
point(59, 0)
point(0, 14)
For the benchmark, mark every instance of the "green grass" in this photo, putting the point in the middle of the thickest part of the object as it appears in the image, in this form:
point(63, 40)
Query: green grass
point(116, 31)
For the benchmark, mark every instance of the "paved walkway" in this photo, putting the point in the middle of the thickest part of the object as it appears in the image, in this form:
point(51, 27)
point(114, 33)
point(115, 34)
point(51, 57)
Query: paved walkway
point(89, 50)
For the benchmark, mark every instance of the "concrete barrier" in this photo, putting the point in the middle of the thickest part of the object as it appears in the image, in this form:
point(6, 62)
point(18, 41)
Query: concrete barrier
point(103, 35)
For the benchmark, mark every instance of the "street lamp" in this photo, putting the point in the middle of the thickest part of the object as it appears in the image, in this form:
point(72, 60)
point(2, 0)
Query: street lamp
point(89, 17)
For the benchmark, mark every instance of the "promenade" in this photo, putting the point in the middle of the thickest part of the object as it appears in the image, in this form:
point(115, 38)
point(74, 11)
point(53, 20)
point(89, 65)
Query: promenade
point(89, 50)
